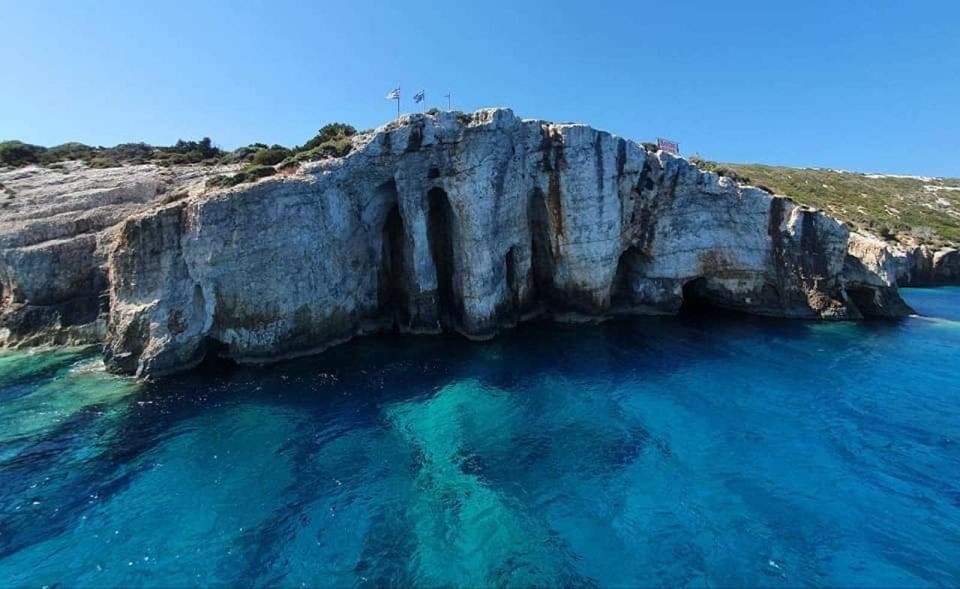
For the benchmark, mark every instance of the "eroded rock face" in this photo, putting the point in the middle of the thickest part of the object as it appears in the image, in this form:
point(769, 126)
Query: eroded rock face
point(56, 227)
point(929, 267)
point(872, 271)
point(457, 222)
point(899, 265)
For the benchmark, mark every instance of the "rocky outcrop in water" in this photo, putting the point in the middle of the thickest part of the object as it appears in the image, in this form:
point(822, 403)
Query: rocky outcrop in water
point(446, 222)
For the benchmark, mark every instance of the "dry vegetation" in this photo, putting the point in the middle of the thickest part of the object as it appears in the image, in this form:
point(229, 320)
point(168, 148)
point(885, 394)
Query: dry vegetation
point(895, 207)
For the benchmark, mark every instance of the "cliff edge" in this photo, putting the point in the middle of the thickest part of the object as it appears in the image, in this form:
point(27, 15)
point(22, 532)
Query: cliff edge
point(469, 223)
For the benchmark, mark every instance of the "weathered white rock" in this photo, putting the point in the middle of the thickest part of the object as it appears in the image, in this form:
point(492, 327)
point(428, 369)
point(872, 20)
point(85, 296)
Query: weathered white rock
point(872, 271)
point(462, 222)
point(56, 225)
point(897, 265)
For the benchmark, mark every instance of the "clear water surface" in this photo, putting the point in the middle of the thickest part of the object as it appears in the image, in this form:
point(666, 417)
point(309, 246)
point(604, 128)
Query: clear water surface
point(646, 452)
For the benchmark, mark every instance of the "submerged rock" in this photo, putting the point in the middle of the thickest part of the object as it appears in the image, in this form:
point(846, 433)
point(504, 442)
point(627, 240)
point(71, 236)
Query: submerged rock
point(435, 222)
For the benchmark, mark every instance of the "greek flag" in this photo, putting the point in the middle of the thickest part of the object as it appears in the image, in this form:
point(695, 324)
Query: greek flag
point(394, 94)
point(418, 97)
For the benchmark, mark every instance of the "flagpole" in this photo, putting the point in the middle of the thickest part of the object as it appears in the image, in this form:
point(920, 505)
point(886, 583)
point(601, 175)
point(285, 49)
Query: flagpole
point(398, 102)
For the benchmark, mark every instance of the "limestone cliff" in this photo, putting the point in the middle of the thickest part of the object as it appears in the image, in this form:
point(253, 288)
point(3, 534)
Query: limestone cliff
point(892, 264)
point(57, 226)
point(459, 222)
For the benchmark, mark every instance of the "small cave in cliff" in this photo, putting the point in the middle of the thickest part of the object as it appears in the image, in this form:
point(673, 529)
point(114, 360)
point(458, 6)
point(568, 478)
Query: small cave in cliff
point(214, 357)
point(863, 299)
point(629, 265)
point(513, 281)
point(393, 291)
point(878, 302)
point(441, 235)
point(541, 253)
point(697, 300)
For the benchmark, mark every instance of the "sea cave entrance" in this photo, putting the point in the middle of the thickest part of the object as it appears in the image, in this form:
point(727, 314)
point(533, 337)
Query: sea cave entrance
point(540, 248)
point(697, 300)
point(629, 265)
point(513, 281)
point(393, 291)
point(441, 233)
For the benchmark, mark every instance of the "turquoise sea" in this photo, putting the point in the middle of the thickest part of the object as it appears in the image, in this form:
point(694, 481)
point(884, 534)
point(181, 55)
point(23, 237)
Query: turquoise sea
point(694, 451)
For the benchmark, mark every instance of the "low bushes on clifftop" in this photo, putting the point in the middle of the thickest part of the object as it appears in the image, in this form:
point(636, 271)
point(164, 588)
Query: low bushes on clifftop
point(17, 153)
point(247, 174)
point(331, 141)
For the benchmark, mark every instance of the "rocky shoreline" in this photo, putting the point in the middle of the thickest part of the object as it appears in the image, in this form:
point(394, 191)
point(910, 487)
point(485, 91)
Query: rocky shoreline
point(468, 223)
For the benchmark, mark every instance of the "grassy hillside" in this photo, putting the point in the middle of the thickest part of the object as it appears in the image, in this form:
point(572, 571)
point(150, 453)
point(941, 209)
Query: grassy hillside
point(905, 208)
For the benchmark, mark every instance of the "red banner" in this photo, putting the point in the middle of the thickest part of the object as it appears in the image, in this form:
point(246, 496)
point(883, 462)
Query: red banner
point(668, 146)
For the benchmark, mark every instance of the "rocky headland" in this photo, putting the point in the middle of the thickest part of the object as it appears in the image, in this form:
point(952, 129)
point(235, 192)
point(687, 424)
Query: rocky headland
point(467, 223)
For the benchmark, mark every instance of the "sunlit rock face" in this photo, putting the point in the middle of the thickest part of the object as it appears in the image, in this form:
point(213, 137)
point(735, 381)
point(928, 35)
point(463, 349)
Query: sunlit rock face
point(468, 223)
point(57, 226)
point(873, 269)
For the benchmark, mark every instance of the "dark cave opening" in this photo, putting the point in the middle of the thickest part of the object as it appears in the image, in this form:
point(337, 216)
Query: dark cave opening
point(697, 300)
point(393, 293)
point(862, 299)
point(878, 302)
point(441, 234)
point(629, 264)
point(541, 253)
point(215, 359)
point(512, 278)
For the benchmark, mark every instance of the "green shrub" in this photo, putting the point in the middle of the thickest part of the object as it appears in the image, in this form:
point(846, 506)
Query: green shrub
point(247, 174)
point(131, 152)
point(18, 153)
point(217, 181)
point(728, 173)
point(69, 151)
point(886, 232)
point(331, 149)
point(103, 162)
point(242, 154)
point(650, 146)
point(186, 152)
point(328, 133)
point(256, 172)
point(270, 156)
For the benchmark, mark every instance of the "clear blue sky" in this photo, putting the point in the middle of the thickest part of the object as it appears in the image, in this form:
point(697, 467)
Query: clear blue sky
point(860, 85)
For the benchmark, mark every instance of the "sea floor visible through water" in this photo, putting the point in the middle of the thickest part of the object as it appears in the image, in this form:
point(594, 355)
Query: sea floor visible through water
point(692, 451)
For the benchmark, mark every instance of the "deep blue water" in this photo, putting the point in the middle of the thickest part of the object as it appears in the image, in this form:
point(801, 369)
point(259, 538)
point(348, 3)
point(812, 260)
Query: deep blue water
point(646, 452)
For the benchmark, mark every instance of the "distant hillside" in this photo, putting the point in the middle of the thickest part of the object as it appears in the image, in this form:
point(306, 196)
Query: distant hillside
point(905, 208)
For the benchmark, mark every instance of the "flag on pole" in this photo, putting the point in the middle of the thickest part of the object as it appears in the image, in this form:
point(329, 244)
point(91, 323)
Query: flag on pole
point(394, 94)
point(418, 97)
